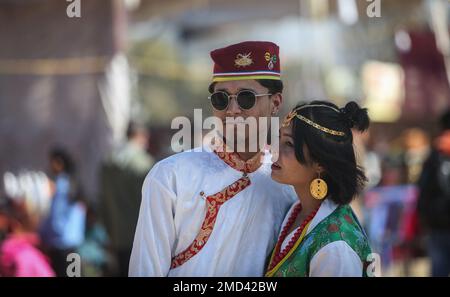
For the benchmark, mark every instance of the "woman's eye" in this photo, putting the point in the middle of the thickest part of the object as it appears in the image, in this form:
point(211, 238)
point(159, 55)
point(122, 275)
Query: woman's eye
point(288, 143)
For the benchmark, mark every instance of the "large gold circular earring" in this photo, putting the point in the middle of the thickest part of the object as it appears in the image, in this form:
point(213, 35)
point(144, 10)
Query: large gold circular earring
point(318, 188)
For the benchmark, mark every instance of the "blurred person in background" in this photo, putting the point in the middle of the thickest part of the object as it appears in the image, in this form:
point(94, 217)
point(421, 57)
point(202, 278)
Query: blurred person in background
point(95, 256)
point(417, 149)
point(4, 222)
point(121, 178)
point(20, 255)
point(370, 161)
point(63, 229)
point(434, 200)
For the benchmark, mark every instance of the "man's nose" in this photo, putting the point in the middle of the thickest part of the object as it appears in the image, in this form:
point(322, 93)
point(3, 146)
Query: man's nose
point(233, 107)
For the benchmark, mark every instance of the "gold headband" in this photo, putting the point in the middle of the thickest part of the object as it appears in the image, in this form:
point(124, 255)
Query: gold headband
point(293, 114)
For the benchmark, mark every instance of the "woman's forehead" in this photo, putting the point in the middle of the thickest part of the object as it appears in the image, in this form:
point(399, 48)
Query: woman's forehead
point(286, 131)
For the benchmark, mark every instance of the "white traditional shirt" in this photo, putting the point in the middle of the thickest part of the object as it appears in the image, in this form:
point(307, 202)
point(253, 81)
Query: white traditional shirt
point(336, 258)
point(173, 211)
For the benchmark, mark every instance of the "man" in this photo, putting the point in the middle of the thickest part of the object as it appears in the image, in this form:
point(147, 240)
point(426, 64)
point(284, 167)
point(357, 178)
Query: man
point(434, 201)
point(215, 212)
point(121, 178)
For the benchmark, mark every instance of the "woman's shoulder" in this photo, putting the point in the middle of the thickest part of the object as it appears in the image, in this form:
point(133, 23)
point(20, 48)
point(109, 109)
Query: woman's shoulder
point(342, 230)
point(337, 258)
point(341, 224)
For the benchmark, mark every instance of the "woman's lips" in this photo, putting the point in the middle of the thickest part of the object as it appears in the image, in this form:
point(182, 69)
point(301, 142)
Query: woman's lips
point(275, 166)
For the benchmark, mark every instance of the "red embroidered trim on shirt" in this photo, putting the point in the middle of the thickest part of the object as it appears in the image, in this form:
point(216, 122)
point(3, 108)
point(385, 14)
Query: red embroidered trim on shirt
point(234, 160)
point(214, 202)
point(213, 205)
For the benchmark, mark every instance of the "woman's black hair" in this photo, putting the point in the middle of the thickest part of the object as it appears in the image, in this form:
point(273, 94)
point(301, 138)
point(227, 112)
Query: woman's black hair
point(333, 152)
point(274, 86)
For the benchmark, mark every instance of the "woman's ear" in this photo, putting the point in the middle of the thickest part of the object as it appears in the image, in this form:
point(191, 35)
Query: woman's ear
point(318, 168)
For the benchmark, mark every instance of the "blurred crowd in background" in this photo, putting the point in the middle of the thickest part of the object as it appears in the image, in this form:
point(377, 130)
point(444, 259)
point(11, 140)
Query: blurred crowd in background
point(86, 104)
point(46, 217)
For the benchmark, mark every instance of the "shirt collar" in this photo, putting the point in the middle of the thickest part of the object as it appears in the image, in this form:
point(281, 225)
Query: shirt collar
point(232, 159)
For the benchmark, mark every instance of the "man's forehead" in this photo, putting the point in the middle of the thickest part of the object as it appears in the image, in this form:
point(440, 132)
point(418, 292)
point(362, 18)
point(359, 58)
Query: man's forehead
point(237, 85)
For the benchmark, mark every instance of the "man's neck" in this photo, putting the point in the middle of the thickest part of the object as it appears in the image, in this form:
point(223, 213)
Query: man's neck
point(245, 156)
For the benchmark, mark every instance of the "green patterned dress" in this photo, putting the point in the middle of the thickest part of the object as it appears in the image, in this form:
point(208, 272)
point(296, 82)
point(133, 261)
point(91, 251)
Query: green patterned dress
point(340, 225)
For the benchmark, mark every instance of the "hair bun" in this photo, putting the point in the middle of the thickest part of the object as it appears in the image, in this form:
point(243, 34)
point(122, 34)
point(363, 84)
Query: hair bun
point(355, 116)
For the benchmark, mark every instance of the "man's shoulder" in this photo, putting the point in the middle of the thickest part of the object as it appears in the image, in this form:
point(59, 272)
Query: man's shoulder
point(189, 156)
point(185, 160)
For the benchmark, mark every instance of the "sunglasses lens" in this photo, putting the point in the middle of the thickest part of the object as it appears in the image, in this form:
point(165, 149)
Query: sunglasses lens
point(219, 100)
point(246, 99)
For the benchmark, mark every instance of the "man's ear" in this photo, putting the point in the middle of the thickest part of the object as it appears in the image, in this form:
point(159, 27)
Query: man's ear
point(277, 100)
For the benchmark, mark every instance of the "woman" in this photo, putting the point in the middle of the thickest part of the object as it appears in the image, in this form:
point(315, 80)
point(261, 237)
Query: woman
point(320, 235)
point(62, 231)
point(20, 254)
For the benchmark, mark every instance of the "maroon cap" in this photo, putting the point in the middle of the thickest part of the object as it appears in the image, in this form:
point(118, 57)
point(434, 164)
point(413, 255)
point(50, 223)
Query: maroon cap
point(246, 60)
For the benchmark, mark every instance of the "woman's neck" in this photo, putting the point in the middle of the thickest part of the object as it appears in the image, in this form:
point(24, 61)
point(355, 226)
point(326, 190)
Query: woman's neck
point(309, 203)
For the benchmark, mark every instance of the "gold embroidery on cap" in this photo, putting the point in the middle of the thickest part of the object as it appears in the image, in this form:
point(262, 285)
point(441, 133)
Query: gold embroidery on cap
point(243, 60)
